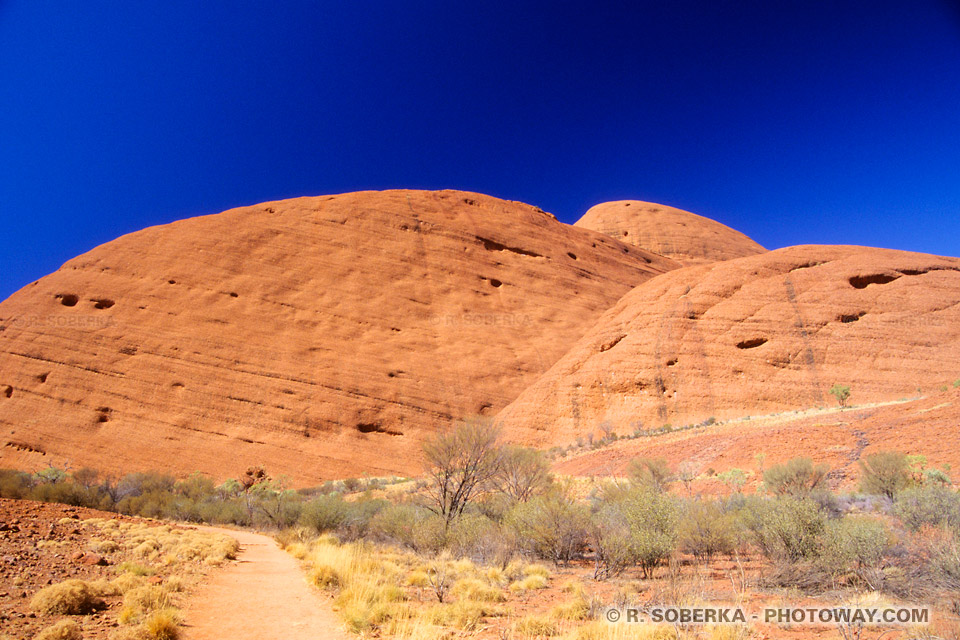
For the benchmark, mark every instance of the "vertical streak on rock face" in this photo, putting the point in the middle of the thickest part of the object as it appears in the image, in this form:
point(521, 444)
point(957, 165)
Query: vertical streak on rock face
point(810, 358)
point(318, 337)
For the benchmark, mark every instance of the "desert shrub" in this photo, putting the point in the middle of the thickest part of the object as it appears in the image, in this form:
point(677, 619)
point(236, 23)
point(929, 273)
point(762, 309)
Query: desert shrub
point(522, 473)
point(650, 473)
point(72, 597)
point(359, 518)
point(553, 526)
point(476, 536)
point(611, 539)
point(735, 479)
point(934, 505)
point(787, 529)
point(411, 526)
point(653, 519)
point(885, 473)
point(63, 630)
point(857, 545)
point(796, 477)
point(14, 484)
point(706, 529)
point(325, 513)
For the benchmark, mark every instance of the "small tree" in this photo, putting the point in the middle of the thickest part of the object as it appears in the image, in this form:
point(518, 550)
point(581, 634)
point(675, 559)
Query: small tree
point(885, 473)
point(796, 477)
point(460, 464)
point(735, 479)
point(654, 474)
point(841, 393)
point(523, 473)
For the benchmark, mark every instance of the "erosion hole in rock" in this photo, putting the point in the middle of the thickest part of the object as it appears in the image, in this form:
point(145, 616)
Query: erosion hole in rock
point(672, 363)
point(626, 233)
point(42, 378)
point(68, 299)
point(848, 318)
point(470, 201)
point(171, 282)
point(572, 255)
point(373, 427)
point(8, 391)
point(496, 284)
point(234, 294)
point(102, 303)
point(752, 343)
point(862, 282)
point(177, 385)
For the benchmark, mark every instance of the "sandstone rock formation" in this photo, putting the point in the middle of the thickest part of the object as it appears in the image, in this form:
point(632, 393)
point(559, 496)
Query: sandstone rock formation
point(686, 237)
point(755, 335)
point(319, 337)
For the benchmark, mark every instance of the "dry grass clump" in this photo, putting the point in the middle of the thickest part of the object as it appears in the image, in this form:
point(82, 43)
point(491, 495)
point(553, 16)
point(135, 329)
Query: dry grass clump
point(606, 631)
point(462, 614)
point(73, 597)
point(574, 610)
point(63, 630)
point(162, 625)
point(477, 590)
point(535, 627)
point(127, 581)
point(146, 599)
point(529, 583)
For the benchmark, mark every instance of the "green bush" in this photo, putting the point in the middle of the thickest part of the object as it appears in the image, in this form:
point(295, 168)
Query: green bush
point(653, 518)
point(706, 530)
point(885, 473)
point(325, 513)
point(841, 393)
point(610, 536)
point(788, 529)
point(553, 526)
point(797, 477)
point(410, 526)
point(934, 505)
point(857, 545)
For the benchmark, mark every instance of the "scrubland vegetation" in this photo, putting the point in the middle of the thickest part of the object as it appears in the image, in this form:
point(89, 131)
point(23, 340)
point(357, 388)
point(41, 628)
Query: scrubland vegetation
point(491, 542)
point(150, 565)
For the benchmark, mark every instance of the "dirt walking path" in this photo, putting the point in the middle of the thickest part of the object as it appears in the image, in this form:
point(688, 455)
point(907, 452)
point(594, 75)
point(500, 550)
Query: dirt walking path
point(263, 596)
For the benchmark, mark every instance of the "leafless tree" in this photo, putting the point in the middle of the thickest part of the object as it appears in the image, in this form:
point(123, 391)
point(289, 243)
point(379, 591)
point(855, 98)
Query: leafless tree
point(460, 464)
point(523, 473)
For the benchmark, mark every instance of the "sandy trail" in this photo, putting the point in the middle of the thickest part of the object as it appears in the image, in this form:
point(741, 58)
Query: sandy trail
point(264, 596)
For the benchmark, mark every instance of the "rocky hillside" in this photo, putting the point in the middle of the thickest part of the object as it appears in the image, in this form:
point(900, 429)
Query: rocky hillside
point(754, 335)
point(686, 237)
point(319, 337)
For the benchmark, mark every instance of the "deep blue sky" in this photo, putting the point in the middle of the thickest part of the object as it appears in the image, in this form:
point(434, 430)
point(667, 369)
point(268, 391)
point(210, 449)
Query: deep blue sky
point(795, 122)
